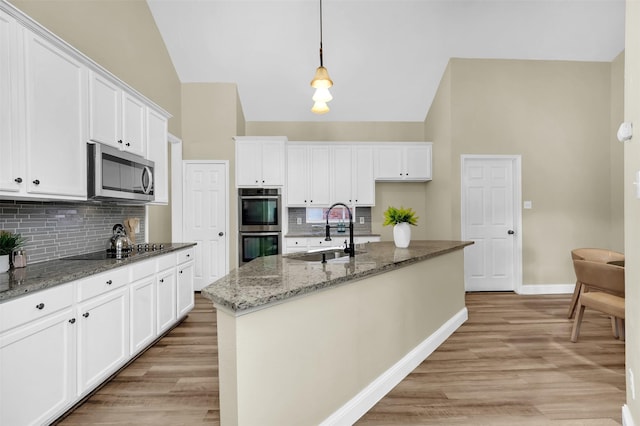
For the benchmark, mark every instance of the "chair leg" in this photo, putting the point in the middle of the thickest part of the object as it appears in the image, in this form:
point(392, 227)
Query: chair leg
point(620, 327)
point(574, 299)
point(614, 327)
point(576, 324)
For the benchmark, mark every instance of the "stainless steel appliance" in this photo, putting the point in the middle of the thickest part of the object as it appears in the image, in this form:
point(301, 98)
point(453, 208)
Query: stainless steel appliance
point(116, 175)
point(260, 223)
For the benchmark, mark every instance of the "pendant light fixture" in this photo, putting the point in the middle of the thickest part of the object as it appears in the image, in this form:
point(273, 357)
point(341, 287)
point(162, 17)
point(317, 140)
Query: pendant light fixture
point(321, 82)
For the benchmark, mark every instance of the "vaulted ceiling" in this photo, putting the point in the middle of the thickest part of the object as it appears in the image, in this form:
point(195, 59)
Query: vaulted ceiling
point(385, 57)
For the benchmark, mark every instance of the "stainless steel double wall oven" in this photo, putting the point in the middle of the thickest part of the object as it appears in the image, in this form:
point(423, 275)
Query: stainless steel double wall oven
point(260, 223)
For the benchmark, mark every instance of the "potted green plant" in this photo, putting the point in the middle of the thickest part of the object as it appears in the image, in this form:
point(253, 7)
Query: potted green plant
point(8, 243)
point(400, 218)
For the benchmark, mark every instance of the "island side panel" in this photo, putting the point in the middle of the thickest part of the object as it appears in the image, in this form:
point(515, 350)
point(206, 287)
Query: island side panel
point(299, 361)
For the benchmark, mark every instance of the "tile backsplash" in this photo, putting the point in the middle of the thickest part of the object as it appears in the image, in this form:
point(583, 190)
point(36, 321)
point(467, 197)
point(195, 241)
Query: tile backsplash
point(296, 213)
point(58, 229)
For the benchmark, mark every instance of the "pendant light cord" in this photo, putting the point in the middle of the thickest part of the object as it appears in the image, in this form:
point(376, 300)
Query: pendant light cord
point(321, 33)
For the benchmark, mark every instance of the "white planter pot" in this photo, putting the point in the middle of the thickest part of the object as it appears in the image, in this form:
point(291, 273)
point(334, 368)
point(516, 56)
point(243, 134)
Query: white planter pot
point(402, 235)
point(4, 263)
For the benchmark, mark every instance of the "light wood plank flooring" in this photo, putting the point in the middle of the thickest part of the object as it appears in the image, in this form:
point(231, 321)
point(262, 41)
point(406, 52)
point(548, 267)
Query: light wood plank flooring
point(511, 363)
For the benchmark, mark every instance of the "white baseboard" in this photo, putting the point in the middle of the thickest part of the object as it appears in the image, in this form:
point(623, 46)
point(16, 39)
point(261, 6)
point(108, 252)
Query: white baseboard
point(627, 420)
point(374, 392)
point(547, 289)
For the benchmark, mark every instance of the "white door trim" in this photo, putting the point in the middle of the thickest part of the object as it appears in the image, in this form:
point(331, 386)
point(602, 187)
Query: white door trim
point(226, 230)
point(176, 188)
point(516, 161)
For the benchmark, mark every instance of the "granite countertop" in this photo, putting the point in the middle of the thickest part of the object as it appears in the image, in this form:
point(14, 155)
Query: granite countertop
point(40, 276)
point(272, 279)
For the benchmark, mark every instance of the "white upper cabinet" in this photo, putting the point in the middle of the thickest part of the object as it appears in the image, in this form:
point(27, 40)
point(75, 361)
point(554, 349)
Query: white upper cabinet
point(320, 174)
point(158, 152)
point(403, 161)
point(10, 160)
point(116, 117)
point(260, 161)
point(55, 89)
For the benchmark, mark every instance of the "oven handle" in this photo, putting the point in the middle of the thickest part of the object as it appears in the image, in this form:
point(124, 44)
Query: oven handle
point(258, 234)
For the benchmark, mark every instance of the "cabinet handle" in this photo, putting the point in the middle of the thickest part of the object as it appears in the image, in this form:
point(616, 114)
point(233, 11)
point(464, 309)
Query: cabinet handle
point(72, 320)
point(86, 315)
point(36, 182)
point(18, 180)
point(40, 306)
point(119, 140)
point(127, 144)
point(109, 282)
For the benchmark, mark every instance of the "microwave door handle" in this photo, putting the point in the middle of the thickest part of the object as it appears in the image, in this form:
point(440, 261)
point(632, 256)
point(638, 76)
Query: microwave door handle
point(147, 171)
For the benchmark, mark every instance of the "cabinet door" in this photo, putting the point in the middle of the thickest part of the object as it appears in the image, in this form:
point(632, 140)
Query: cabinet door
point(248, 163)
point(11, 173)
point(185, 294)
point(103, 337)
point(142, 313)
point(341, 174)
point(297, 175)
point(272, 163)
point(157, 151)
point(319, 175)
point(364, 190)
point(388, 164)
point(37, 370)
point(418, 162)
point(166, 300)
point(56, 87)
point(133, 124)
point(104, 110)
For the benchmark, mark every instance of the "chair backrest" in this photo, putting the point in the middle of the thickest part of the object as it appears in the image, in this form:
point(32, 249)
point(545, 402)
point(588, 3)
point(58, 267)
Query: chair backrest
point(600, 276)
point(596, 255)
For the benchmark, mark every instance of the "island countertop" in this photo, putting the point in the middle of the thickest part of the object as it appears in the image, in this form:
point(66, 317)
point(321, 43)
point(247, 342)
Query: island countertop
point(273, 279)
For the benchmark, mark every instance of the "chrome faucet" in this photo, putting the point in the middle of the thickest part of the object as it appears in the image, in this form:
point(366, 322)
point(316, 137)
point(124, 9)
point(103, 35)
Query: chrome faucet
point(351, 249)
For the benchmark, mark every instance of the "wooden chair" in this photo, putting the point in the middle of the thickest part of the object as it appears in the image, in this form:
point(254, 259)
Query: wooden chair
point(602, 290)
point(593, 255)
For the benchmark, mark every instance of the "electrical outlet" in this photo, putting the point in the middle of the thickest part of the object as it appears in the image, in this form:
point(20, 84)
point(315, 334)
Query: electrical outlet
point(632, 385)
point(361, 220)
point(299, 221)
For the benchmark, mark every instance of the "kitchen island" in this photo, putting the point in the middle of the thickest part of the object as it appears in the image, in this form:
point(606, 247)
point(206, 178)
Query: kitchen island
point(305, 342)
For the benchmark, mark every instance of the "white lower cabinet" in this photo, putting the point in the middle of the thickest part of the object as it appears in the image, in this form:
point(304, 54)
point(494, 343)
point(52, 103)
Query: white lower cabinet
point(103, 337)
point(166, 285)
point(57, 345)
point(185, 294)
point(38, 370)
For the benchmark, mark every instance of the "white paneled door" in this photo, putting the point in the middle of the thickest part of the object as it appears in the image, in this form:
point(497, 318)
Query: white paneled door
point(491, 218)
point(205, 218)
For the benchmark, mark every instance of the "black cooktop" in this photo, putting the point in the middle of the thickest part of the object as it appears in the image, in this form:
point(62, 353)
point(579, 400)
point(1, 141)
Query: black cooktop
point(138, 250)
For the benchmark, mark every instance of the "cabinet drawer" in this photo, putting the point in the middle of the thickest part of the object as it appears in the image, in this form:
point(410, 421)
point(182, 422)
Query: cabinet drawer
point(296, 242)
point(102, 283)
point(143, 269)
point(186, 255)
point(167, 261)
point(37, 305)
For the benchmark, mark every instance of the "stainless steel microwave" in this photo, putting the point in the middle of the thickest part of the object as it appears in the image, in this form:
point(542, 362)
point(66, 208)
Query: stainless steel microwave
point(117, 175)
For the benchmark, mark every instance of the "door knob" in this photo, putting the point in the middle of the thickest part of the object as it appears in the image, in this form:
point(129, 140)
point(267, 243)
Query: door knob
point(220, 234)
point(511, 232)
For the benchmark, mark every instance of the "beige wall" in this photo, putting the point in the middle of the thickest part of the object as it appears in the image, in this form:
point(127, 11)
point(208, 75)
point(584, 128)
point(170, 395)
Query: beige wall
point(122, 37)
point(211, 118)
point(631, 203)
point(558, 117)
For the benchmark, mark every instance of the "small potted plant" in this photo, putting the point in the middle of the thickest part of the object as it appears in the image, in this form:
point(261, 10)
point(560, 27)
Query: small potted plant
point(8, 243)
point(400, 219)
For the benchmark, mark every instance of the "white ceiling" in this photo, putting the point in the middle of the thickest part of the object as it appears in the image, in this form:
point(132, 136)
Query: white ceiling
point(385, 57)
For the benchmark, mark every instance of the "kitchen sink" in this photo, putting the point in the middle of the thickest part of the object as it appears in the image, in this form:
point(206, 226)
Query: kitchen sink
point(330, 255)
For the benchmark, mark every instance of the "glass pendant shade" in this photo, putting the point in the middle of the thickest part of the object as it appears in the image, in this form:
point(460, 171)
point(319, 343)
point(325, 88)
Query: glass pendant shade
point(321, 79)
point(320, 108)
point(322, 95)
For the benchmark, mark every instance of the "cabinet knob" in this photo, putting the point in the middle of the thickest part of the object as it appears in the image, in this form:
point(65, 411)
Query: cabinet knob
point(119, 140)
point(109, 282)
point(40, 306)
point(127, 144)
point(256, 180)
point(180, 271)
point(36, 182)
point(18, 180)
point(72, 320)
point(161, 280)
point(220, 234)
point(188, 255)
point(86, 315)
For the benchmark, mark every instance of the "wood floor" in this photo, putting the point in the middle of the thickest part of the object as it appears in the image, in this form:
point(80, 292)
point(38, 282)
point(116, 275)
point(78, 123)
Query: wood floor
point(511, 363)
